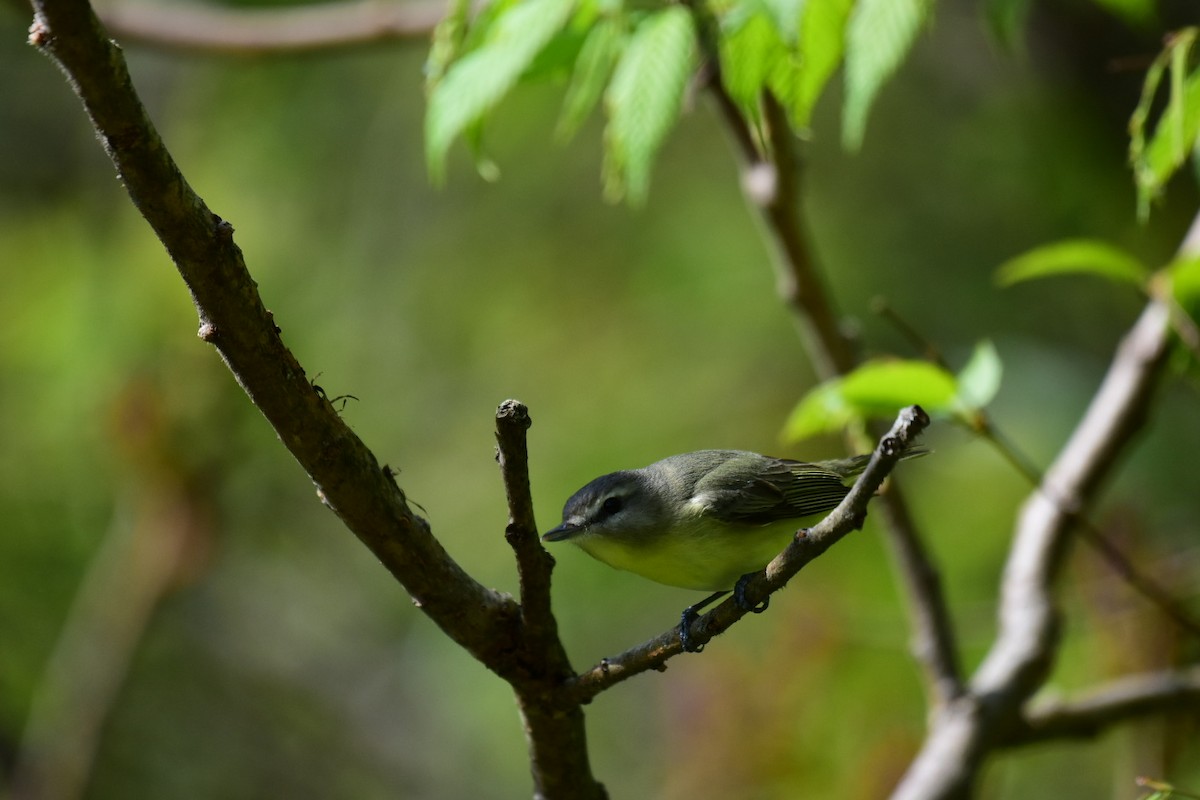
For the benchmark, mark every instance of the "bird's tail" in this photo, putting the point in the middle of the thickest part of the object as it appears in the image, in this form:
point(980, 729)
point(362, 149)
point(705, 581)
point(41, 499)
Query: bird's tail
point(853, 466)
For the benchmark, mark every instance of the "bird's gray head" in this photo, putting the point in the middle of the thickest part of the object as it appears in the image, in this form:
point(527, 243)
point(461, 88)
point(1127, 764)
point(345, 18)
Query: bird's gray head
point(619, 505)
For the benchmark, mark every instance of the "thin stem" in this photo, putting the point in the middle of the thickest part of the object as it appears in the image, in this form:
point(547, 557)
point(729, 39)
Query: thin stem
point(773, 188)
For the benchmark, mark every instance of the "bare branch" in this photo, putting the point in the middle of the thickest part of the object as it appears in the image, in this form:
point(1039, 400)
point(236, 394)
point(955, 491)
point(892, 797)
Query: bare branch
point(208, 28)
point(520, 644)
point(806, 547)
point(773, 188)
point(1112, 703)
point(534, 563)
point(964, 733)
point(232, 317)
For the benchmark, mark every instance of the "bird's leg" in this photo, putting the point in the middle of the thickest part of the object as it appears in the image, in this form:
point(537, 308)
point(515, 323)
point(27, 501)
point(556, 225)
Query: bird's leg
point(739, 595)
point(689, 616)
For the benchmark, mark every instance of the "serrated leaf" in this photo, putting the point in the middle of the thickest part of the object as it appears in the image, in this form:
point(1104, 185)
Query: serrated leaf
point(1079, 256)
point(785, 14)
point(979, 381)
point(822, 43)
point(449, 36)
point(876, 389)
point(879, 36)
point(478, 80)
point(645, 98)
point(592, 70)
point(748, 54)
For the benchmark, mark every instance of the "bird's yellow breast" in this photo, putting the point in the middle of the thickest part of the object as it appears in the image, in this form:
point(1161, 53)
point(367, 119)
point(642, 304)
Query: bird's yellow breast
point(698, 553)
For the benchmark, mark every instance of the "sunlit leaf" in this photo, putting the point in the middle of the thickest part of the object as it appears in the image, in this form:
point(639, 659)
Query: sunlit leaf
point(592, 70)
point(748, 54)
point(979, 380)
point(1177, 133)
point(881, 388)
point(822, 43)
point(1185, 279)
point(877, 389)
point(448, 38)
point(879, 36)
point(1080, 256)
point(786, 16)
point(821, 410)
point(478, 80)
point(645, 97)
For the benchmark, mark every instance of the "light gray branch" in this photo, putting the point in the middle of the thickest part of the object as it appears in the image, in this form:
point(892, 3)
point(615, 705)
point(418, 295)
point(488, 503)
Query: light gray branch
point(965, 732)
point(1106, 705)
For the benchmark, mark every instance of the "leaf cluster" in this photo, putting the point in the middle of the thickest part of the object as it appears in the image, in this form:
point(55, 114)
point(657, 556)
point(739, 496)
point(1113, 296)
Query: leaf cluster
point(637, 61)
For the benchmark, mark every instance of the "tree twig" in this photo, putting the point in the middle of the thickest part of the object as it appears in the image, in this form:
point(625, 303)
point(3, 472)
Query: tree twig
point(982, 424)
point(1108, 704)
point(225, 30)
point(534, 563)
point(772, 186)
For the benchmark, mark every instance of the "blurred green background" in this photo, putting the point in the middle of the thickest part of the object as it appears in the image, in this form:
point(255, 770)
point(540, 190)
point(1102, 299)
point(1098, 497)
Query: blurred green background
point(283, 661)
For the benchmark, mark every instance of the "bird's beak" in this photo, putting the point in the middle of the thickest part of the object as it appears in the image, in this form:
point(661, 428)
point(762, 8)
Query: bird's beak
point(564, 531)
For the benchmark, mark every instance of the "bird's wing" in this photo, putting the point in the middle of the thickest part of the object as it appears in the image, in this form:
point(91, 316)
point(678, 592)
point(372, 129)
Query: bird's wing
point(782, 489)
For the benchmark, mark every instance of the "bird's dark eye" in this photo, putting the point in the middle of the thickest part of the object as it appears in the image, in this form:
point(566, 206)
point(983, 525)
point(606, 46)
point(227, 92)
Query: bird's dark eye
point(611, 505)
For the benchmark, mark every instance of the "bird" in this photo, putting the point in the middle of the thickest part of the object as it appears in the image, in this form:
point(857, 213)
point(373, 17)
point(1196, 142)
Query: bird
point(706, 520)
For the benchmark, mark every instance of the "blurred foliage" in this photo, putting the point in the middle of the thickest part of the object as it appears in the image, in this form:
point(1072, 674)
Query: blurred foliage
point(285, 662)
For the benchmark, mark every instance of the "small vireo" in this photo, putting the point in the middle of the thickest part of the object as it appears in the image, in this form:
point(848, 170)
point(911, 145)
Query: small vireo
point(705, 520)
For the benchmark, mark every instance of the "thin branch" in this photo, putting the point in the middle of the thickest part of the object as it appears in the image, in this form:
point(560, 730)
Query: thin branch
point(148, 545)
point(1020, 659)
point(348, 477)
point(207, 28)
point(984, 426)
point(534, 563)
point(773, 188)
point(517, 643)
point(806, 547)
point(1131, 697)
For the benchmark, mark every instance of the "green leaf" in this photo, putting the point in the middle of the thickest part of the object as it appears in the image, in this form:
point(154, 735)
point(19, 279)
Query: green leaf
point(592, 70)
point(1177, 132)
point(448, 38)
point(645, 98)
point(478, 80)
point(821, 410)
point(1185, 278)
point(748, 54)
point(1088, 256)
point(883, 387)
point(786, 16)
point(876, 389)
point(979, 381)
point(880, 34)
point(822, 43)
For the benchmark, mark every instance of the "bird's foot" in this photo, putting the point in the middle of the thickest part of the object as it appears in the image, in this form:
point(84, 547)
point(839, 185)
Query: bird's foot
point(739, 595)
point(690, 614)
